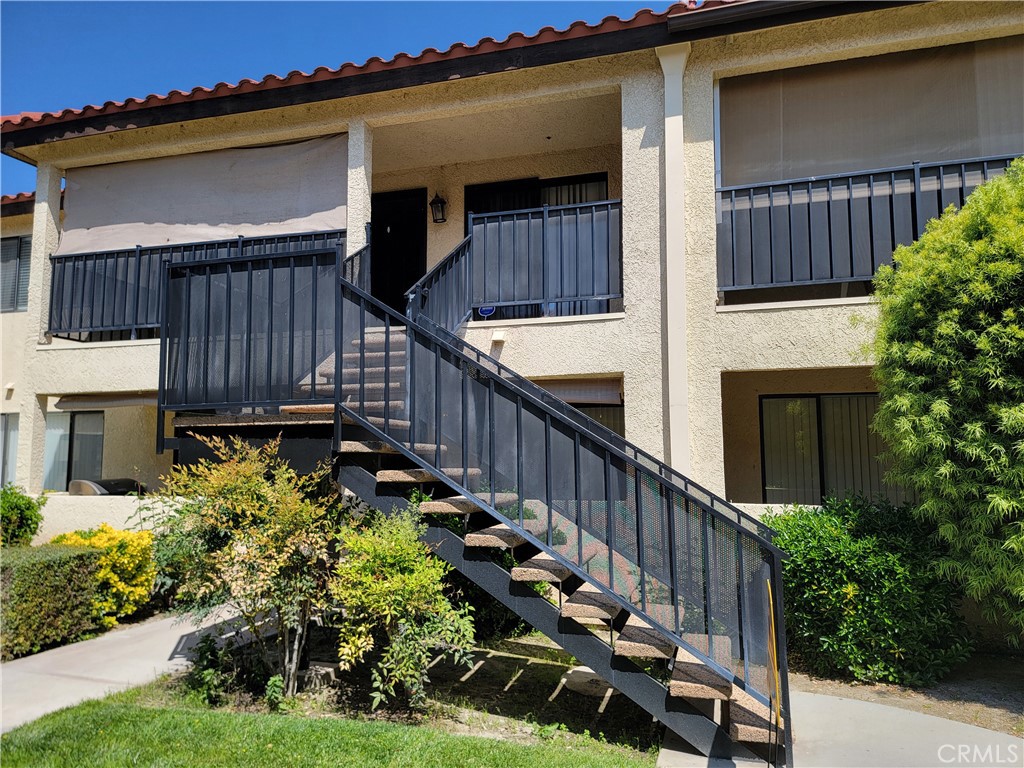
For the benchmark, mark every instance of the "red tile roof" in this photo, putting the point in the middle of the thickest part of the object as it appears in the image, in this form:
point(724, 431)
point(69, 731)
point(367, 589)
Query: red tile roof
point(515, 40)
point(21, 197)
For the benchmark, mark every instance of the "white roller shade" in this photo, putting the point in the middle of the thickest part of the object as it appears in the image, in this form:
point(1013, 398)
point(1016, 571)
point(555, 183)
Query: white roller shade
point(250, 192)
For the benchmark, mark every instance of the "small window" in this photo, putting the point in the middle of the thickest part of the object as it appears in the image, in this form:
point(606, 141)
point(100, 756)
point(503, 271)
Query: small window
point(815, 446)
point(8, 447)
point(15, 257)
point(74, 448)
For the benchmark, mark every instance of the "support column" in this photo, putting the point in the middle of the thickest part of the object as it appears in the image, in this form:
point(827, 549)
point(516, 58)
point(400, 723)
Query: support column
point(360, 182)
point(673, 64)
point(32, 419)
point(642, 261)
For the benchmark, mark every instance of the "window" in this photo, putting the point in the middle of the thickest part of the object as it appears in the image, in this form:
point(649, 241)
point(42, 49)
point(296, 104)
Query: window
point(8, 446)
point(520, 194)
point(15, 257)
point(817, 445)
point(74, 448)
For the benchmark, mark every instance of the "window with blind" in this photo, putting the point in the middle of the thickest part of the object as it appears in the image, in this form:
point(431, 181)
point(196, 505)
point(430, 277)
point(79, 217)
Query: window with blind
point(8, 447)
point(15, 260)
point(73, 448)
point(814, 446)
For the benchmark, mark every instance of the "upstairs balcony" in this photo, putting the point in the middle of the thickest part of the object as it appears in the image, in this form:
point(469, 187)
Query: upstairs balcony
point(836, 229)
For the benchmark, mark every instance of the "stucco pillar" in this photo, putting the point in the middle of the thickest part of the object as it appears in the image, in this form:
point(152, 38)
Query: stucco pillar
point(360, 183)
point(673, 64)
point(45, 232)
point(642, 258)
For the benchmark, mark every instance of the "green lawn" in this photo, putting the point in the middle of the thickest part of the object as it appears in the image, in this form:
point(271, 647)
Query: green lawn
point(121, 731)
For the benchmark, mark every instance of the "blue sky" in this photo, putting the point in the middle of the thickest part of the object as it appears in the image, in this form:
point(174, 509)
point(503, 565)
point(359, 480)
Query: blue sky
point(55, 55)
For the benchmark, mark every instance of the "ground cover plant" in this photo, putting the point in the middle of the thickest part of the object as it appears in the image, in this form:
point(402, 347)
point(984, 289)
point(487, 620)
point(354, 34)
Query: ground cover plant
point(950, 370)
point(864, 598)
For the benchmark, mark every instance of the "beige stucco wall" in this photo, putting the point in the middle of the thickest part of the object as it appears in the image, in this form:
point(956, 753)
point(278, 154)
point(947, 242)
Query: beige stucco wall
point(794, 337)
point(740, 419)
point(12, 328)
point(129, 440)
point(63, 513)
point(451, 180)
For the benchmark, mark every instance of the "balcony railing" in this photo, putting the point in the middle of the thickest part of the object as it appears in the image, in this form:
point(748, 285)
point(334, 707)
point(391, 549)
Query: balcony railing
point(249, 332)
point(563, 260)
point(119, 291)
point(837, 228)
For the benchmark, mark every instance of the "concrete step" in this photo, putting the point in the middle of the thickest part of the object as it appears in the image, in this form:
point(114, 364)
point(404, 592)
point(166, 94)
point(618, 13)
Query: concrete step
point(417, 476)
point(397, 355)
point(590, 602)
point(502, 536)
point(640, 640)
point(376, 406)
point(464, 505)
point(375, 340)
point(372, 388)
point(692, 679)
point(373, 446)
point(749, 719)
point(311, 408)
point(396, 373)
point(541, 567)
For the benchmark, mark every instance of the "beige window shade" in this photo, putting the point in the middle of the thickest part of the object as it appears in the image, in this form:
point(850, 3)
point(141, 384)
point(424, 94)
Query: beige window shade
point(585, 391)
point(950, 103)
point(258, 191)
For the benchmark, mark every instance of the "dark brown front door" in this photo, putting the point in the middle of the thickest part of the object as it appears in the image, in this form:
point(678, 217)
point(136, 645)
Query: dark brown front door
point(398, 238)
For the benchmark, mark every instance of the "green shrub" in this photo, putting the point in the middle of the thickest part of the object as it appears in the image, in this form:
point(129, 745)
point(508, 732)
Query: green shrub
point(46, 597)
point(19, 516)
point(126, 572)
point(392, 590)
point(864, 598)
point(950, 370)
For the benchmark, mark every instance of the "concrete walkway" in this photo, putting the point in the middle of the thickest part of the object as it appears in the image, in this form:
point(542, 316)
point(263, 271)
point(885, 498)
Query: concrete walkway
point(45, 682)
point(832, 732)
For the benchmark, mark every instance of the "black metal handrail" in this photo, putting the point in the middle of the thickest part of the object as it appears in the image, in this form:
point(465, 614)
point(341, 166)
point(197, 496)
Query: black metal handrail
point(835, 228)
point(609, 436)
point(566, 256)
point(357, 267)
point(119, 291)
point(698, 577)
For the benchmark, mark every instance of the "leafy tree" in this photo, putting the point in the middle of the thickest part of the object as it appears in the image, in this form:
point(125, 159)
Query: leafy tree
point(950, 368)
point(246, 532)
point(393, 592)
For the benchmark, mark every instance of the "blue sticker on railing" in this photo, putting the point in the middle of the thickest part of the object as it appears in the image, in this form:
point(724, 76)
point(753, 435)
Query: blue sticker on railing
point(486, 311)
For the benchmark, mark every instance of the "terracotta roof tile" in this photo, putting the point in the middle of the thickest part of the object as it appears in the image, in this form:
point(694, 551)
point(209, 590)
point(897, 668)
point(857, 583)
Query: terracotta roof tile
point(549, 34)
point(20, 197)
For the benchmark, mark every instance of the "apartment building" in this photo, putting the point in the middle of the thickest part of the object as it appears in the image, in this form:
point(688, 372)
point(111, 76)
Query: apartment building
point(668, 222)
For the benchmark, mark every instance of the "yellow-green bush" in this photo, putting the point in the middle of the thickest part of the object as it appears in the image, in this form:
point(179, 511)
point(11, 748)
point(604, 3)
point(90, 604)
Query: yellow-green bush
point(126, 569)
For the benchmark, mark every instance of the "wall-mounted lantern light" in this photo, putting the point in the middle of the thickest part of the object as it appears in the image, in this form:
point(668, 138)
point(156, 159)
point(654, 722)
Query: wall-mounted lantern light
point(438, 208)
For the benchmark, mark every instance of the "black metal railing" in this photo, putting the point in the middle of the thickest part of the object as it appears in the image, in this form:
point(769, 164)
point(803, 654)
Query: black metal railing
point(564, 259)
point(659, 550)
point(836, 228)
point(119, 291)
point(249, 332)
point(356, 267)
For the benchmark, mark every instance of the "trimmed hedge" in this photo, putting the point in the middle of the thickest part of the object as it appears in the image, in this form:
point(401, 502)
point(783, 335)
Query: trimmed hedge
point(46, 597)
point(864, 598)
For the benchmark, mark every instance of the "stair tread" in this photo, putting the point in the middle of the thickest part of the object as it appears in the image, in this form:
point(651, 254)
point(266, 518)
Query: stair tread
point(374, 446)
point(640, 639)
point(692, 678)
point(419, 475)
point(590, 602)
point(464, 504)
point(502, 535)
point(541, 567)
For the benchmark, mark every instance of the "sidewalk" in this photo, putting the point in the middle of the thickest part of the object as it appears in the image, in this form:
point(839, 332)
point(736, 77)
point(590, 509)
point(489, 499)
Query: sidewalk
point(832, 732)
point(45, 682)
